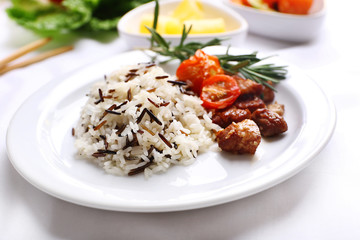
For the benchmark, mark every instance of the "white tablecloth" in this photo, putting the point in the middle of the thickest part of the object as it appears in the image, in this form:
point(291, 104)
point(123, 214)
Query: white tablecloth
point(320, 202)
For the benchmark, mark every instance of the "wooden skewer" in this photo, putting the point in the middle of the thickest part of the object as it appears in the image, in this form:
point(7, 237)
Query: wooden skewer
point(35, 59)
point(24, 50)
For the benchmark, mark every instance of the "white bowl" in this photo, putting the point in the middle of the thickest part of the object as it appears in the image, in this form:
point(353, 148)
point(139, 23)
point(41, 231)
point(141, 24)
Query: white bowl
point(235, 34)
point(288, 27)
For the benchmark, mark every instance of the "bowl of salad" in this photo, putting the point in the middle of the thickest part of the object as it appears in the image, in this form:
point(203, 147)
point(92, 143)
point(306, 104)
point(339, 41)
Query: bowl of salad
point(288, 20)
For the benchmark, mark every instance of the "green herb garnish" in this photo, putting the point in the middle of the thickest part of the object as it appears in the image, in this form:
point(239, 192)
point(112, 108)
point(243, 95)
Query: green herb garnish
point(183, 51)
point(246, 66)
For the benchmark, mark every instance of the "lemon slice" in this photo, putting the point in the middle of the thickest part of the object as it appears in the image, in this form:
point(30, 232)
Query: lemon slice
point(188, 10)
point(166, 24)
point(211, 25)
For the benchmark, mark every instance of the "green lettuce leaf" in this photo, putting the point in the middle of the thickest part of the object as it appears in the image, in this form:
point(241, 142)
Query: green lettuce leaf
point(49, 17)
point(69, 15)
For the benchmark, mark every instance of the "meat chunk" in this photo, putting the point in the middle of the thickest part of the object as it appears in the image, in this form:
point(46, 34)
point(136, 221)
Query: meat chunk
point(249, 87)
point(268, 95)
point(242, 137)
point(251, 103)
point(277, 108)
point(270, 123)
point(225, 117)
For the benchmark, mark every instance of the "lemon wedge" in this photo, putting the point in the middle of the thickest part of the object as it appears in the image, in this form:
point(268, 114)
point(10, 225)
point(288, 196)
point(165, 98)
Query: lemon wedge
point(211, 25)
point(188, 13)
point(166, 24)
point(188, 10)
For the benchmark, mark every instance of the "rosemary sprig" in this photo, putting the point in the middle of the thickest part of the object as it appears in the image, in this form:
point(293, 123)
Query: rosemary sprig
point(156, 18)
point(246, 66)
point(182, 51)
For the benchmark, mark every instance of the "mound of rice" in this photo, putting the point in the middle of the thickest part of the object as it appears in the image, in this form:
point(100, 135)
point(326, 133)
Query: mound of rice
point(139, 120)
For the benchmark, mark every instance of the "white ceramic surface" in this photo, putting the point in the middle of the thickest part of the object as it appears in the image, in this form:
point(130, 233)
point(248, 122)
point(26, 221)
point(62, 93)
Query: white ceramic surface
point(40, 147)
point(287, 27)
point(236, 25)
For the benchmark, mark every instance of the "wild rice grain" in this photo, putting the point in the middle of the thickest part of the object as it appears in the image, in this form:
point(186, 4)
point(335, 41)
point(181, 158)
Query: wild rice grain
point(181, 83)
point(112, 112)
point(153, 117)
point(162, 77)
point(129, 95)
point(120, 105)
point(100, 125)
point(153, 103)
point(165, 140)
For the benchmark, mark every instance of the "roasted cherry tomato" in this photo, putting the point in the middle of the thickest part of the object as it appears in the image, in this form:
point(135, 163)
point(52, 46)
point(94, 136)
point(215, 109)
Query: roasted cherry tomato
point(219, 91)
point(295, 6)
point(198, 68)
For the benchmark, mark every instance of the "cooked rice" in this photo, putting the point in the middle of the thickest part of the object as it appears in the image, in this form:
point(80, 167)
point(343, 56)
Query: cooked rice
point(116, 129)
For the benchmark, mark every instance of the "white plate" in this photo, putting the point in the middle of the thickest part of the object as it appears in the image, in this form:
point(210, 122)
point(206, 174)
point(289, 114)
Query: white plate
point(40, 147)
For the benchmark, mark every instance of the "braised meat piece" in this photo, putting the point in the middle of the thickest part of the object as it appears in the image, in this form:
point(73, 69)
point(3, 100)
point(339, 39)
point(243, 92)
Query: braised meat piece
point(268, 95)
point(269, 122)
point(251, 103)
point(249, 87)
point(242, 137)
point(277, 108)
point(225, 117)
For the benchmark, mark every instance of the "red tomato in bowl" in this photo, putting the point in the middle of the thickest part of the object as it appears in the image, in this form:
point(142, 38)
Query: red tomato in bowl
point(295, 6)
point(271, 3)
point(219, 91)
point(242, 2)
point(198, 68)
point(246, 3)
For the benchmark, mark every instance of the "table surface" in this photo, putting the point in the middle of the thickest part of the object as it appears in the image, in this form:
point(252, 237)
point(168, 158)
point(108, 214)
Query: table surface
point(320, 202)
